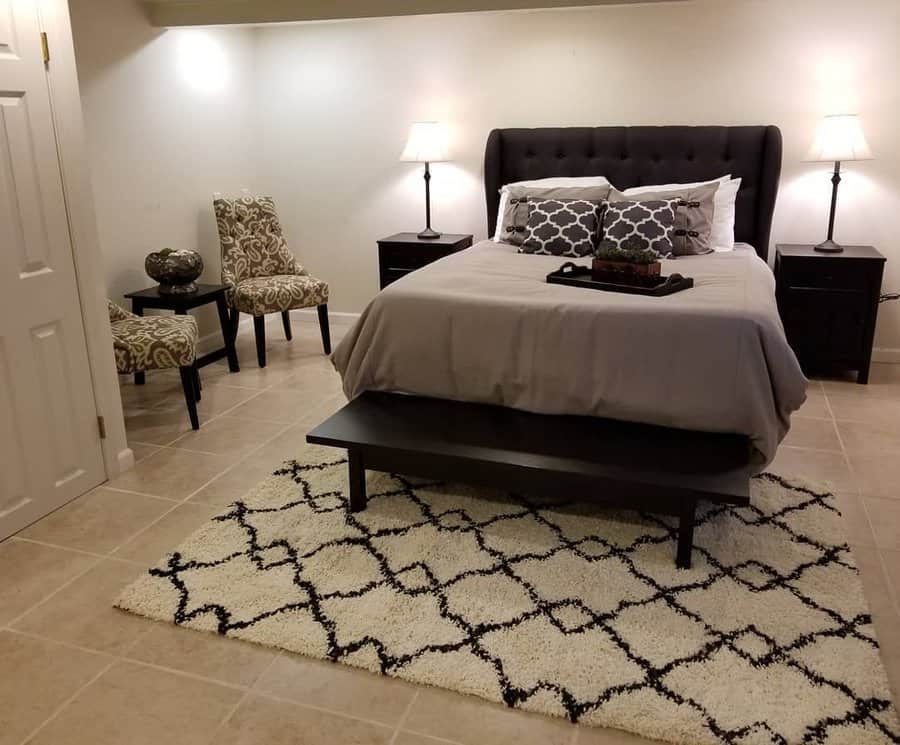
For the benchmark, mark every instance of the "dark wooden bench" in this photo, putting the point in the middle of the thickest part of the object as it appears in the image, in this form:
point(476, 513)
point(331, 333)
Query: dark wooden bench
point(619, 463)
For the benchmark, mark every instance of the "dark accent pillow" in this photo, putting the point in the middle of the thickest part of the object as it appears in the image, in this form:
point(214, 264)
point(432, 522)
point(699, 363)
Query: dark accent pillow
point(641, 225)
point(693, 218)
point(515, 216)
point(562, 227)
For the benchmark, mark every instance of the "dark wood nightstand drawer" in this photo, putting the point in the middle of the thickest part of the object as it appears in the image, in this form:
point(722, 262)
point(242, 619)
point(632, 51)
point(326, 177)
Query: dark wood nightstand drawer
point(839, 275)
point(394, 257)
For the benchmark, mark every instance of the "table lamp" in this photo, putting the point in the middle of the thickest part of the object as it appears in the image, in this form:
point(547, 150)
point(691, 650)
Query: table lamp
point(427, 143)
point(839, 138)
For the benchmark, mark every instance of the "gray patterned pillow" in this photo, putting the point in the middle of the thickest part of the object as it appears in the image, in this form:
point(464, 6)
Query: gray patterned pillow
point(562, 227)
point(515, 216)
point(641, 225)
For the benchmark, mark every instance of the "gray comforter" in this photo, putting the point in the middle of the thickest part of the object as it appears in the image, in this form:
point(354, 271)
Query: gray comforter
point(483, 325)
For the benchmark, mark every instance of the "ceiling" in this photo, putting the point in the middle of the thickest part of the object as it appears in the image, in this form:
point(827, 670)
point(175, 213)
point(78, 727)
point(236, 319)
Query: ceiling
point(219, 12)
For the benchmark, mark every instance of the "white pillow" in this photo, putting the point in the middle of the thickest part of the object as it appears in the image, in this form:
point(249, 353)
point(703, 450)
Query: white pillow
point(548, 182)
point(722, 235)
point(636, 190)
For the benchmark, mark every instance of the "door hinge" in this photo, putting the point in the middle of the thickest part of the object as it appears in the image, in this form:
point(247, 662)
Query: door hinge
point(101, 425)
point(45, 47)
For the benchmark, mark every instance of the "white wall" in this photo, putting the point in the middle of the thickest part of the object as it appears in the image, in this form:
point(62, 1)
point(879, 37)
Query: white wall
point(329, 106)
point(168, 116)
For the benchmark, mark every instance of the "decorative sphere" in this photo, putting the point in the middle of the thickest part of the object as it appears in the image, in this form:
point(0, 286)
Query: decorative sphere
point(175, 270)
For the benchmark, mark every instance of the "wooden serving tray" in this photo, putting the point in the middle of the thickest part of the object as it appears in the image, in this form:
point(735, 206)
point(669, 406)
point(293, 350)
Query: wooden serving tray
point(581, 276)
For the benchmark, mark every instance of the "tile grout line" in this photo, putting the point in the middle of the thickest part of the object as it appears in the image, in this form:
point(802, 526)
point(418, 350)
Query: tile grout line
point(403, 717)
point(192, 494)
point(248, 690)
point(862, 503)
point(247, 693)
point(257, 392)
point(55, 592)
point(81, 551)
point(59, 642)
point(100, 558)
point(234, 465)
point(64, 705)
point(137, 493)
point(435, 738)
point(133, 536)
point(171, 446)
point(186, 499)
point(170, 443)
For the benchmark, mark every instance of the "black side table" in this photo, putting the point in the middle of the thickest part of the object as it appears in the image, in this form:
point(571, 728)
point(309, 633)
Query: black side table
point(828, 304)
point(181, 304)
point(403, 253)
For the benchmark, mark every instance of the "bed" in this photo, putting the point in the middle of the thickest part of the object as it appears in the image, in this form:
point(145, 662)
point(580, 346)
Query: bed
point(707, 372)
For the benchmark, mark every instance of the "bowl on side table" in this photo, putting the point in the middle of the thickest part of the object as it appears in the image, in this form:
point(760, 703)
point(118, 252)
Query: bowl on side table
point(175, 270)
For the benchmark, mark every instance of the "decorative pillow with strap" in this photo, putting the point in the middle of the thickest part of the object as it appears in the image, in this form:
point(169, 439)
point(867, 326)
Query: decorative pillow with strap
point(514, 222)
point(693, 217)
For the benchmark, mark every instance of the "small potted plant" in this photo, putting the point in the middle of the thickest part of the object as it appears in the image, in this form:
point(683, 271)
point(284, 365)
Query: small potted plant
point(630, 262)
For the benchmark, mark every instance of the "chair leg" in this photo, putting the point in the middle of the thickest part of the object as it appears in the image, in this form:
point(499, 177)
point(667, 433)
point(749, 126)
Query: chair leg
point(286, 321)
point(187, 382)
point(323, 325)
point(259, 327)
point(198, 386)
point(235, 317)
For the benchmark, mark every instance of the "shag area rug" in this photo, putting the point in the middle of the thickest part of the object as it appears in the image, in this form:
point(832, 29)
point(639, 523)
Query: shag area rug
point(551, 606)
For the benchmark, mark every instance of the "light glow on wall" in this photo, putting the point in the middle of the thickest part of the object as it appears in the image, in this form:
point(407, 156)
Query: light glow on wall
point(201, 61)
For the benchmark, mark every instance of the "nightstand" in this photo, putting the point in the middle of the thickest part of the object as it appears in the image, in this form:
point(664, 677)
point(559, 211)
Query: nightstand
point(405, 252)
point(828, 303)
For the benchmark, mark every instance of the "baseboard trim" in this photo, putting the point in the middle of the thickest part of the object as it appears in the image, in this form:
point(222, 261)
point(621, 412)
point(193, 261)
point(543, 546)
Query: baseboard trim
point(890, 355)
point(213, 340)
point(125, 460)
point(311, 315)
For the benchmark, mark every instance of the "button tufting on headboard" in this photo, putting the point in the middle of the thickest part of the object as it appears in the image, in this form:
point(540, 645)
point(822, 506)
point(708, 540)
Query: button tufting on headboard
point(638, 156)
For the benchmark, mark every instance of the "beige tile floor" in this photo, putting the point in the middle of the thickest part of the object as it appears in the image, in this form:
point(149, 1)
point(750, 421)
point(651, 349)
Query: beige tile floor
point(74, 670)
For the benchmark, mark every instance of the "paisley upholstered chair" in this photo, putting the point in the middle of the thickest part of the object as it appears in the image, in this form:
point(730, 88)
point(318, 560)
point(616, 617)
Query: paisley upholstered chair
point(261, 273)
point(145, 343)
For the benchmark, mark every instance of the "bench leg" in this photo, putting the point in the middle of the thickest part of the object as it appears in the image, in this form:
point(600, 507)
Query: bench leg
point(357, 481)
point(686, 532)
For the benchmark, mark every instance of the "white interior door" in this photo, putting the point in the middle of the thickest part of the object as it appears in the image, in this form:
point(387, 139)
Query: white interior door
point(49, 439)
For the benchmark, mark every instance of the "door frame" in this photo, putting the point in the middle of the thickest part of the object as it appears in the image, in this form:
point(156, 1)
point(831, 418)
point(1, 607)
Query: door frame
point(65, 101)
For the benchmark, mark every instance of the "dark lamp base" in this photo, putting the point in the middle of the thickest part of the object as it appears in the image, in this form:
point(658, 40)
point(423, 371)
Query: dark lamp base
point(429, 234)
point(829, 247)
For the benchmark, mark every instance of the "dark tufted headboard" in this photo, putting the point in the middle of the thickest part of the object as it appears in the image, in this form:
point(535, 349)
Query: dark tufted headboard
point(635, 156)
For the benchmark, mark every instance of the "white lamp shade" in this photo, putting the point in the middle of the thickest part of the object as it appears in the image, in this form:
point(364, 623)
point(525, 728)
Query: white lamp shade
point(427, 143)
point(839, 137)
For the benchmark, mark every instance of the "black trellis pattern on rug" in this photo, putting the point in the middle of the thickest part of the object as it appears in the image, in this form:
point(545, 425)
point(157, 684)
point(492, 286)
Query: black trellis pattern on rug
point(754, 575)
